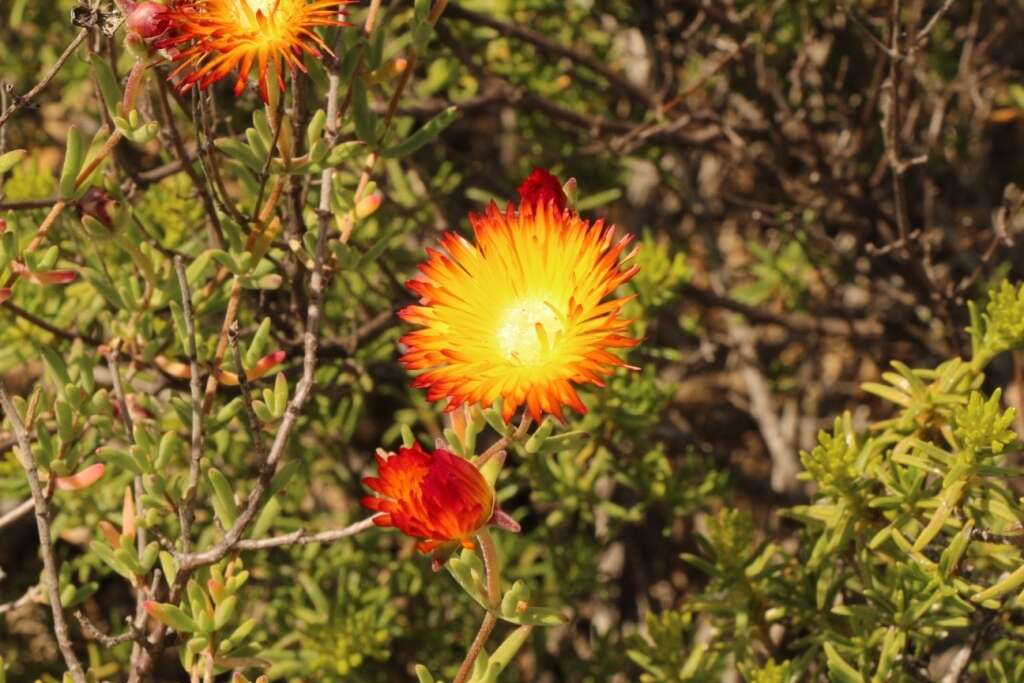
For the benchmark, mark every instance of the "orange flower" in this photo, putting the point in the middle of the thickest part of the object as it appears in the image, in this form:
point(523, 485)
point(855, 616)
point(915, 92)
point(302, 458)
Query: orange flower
point(520, 314)
point(438, 497)
point(211, 37)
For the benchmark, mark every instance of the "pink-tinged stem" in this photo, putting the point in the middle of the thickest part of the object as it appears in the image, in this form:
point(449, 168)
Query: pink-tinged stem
point(131, 86)
point(492, 568)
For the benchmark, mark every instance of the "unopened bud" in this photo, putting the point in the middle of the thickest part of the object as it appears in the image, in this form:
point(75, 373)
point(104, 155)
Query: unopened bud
point(146, 19)
point(540, 189)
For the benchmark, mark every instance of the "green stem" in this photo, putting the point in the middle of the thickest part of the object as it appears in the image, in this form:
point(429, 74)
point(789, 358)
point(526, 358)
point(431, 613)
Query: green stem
point(981, 359)
point(492, 568)
point(504, 442)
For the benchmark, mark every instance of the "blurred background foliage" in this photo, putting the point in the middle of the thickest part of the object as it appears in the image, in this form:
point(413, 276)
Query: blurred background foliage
point(767, 498)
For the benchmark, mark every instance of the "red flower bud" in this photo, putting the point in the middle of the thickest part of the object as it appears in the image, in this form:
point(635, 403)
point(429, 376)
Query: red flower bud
point(146, 19)
point(540, 187)
point(437, 497)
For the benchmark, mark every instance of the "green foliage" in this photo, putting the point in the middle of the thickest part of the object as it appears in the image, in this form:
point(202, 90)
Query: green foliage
point(670, 652)
point(908, 541)
point(784, 275)
point(748, 160)
point(1001, 326)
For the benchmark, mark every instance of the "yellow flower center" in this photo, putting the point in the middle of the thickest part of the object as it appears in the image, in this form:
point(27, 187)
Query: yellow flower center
point(527, 330)
point(247, 10)
point(265, 6)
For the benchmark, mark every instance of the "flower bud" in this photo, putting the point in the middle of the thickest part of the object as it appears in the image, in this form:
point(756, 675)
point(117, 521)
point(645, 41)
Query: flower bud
point(146, 19)
point(437, 497)
point(542, 188)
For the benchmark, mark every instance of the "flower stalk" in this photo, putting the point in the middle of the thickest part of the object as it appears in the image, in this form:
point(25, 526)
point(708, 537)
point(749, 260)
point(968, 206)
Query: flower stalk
point(492, 569)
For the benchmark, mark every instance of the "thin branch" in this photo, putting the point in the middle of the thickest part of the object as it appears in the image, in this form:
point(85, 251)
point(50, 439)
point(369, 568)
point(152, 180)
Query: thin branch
point(129, 429)
point(785, 465)
point(185, 164)
point(35, 320)
point(188, 562)
point(22, 100)
point(868, 32)
point(255, 427)
point(891, 125)
point(504, 442)
point(265, 174)
point(26, 597)
point(119, 395)
point(27, 205)
point(545, 44)
point(348, 222)
point(51, 577)
point(93, 631)
point(126, 420)
point(205, 148)
point(260, 223)
point(6, 91)
point(17, 513)
point(162, 171)
point(922, 35)
point(795, 322)
point(303, 537)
